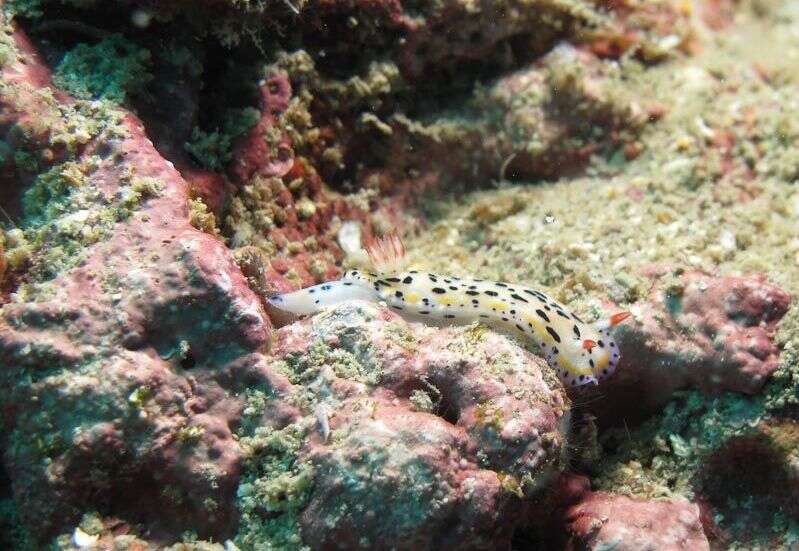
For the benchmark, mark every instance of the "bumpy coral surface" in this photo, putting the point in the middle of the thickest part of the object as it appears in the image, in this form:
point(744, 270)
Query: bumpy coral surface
point(186, 159)
point(603, 521)
point(99, 345)
point(714, 334)
point(426, 438)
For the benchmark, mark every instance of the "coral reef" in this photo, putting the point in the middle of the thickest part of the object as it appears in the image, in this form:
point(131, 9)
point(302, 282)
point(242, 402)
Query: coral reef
point(164, 165)
point(99, 342)
point(603, 520)
point(693, 330)
point(458, 427)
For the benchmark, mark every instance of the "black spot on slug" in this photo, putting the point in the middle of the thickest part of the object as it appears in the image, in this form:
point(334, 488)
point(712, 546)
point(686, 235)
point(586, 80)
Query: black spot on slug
point(576, 331)
point(491, 293)
point(601, 343)
point(542, 315)
point(408, 280)
point(393, 279)
point(538, 294)
point(517, 297)
point(472, 293)
point(553, 333)
point(520, 328)
point(398, 294)
point(451, 288)
point(450, 316)
point(439, 290)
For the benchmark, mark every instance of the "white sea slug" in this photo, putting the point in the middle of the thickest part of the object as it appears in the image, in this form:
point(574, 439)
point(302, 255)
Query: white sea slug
point(580, 353)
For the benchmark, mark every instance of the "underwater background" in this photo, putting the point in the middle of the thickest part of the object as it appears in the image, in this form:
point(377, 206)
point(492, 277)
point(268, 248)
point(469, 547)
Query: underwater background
point(168, 166)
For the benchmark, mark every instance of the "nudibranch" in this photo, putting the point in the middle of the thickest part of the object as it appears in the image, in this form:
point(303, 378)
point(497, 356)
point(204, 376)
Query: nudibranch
point(581, 353)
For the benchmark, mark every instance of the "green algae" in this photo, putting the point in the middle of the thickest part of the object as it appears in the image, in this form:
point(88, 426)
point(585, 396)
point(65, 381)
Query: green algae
point(214, 149)
point(782, 393)
point(113, 69)
point(12, 534)
point(275, 484)
point(65, 213)
point(669, 455)
point(31, 9)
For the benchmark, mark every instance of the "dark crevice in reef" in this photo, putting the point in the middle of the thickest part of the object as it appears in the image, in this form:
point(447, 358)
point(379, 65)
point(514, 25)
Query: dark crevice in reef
point(747, 481)
point(213, 79)
point(9, 520)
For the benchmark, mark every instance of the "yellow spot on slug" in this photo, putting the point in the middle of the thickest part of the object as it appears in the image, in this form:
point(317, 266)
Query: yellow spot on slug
point(445, 300)
point(571, 368)
point(536, 323)
point(601, 363)
point(499, 305)
point(411, 298)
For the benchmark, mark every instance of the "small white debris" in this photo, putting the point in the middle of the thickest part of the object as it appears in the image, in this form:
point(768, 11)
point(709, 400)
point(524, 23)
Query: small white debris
point(230, 546)
point(703, 128)
point(82, 540)
point(670, 42)
point(141, 18)
point(727, 240)
point(323, 420)
point(349, 237)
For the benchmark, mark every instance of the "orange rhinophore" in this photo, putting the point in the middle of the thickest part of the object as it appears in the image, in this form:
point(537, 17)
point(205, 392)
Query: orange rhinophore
point(589, 345)
point(616, 319)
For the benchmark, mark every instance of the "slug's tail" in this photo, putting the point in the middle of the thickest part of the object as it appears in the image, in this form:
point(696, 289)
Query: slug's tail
point(306, 302)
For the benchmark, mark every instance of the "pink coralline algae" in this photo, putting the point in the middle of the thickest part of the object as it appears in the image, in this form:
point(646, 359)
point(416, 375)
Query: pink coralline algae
point(436, 436)
point(711, 333)
point(264, 150)
point(608, 521)
point(121, 367)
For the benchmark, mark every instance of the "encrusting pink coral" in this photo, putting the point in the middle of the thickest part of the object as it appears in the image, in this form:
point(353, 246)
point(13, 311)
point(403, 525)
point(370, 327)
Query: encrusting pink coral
point(711, 333)
point(603, 521)
point(123, 365)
